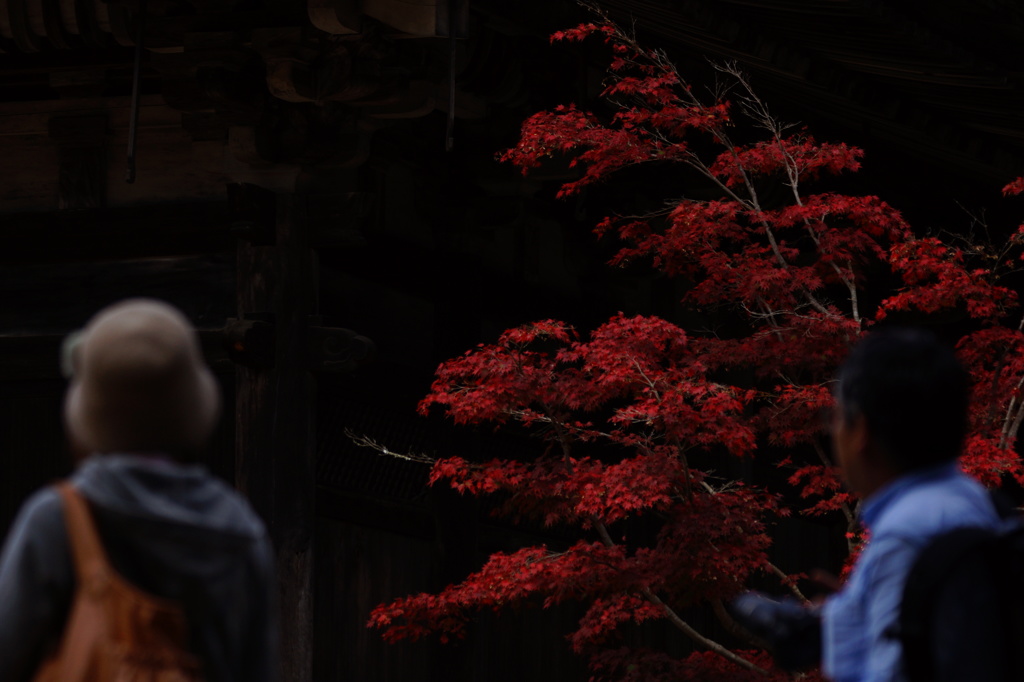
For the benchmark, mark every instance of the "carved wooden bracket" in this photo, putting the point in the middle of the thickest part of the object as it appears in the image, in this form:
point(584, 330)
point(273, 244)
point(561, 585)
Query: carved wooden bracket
point(334, 349)
point(287, 57)
point(303, 68)
point(216, 81)
point(337, 17)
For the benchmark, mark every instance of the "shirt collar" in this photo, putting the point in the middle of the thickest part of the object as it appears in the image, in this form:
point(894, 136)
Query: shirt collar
point(873, 506)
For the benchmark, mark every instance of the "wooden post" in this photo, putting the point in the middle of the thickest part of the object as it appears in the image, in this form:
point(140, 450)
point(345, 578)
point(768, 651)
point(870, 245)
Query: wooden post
point(275, 416)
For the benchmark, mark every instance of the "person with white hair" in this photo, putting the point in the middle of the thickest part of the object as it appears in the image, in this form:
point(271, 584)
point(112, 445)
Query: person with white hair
point(140, 405)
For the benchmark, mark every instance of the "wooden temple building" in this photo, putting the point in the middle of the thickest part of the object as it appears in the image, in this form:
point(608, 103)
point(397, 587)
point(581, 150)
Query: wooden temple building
point(313, 182)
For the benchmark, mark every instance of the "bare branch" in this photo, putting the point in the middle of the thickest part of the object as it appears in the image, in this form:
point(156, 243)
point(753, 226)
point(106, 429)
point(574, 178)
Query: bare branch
point(364, 441)
point(788, 582)
point(697, 637)
point(674, 617)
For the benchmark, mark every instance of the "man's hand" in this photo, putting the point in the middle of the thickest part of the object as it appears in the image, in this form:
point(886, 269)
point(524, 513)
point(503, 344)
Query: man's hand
point(791, 629)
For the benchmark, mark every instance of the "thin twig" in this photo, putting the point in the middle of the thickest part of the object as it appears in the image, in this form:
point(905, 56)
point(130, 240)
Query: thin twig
point(364, 441)
point(788, 582)
point(851, 517)
point(693, 634)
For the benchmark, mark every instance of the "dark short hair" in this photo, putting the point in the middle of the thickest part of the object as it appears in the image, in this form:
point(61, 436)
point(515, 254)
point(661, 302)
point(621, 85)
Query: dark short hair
point(912, 392)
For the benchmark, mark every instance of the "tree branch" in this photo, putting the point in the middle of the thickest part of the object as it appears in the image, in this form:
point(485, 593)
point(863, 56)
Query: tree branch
point(697, 637)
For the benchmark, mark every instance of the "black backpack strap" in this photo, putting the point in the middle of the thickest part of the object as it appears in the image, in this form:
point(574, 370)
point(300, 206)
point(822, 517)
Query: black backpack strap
point(950, 609)
point(1005, 506)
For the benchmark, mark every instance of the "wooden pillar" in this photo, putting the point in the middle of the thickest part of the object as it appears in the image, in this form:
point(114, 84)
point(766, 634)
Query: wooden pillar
point(275, 414)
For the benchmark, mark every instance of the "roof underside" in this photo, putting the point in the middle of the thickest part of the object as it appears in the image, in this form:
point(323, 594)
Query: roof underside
point(940, 80)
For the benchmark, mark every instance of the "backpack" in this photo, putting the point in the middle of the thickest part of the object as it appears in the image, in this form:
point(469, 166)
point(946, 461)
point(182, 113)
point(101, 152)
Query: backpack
point(114, 631)
point(962, 613)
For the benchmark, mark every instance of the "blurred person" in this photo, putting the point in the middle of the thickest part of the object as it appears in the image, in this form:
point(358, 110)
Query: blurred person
point(898, 428)
point(139, 408)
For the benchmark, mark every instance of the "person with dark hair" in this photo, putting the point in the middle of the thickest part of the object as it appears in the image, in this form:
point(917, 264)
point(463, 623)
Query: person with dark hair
point(140, 405)
point(897, 430)
point(912, 392)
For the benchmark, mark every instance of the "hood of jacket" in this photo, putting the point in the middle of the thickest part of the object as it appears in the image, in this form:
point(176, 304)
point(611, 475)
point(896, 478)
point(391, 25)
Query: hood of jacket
point(169, 512)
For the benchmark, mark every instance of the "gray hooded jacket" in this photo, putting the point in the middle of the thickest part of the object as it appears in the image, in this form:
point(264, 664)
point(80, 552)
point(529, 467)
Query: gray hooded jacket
point(171, 529)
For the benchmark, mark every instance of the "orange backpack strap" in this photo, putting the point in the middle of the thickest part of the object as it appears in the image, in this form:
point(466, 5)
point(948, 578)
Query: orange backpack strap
point(86, 550)
point(87, 620)
point(114, 630)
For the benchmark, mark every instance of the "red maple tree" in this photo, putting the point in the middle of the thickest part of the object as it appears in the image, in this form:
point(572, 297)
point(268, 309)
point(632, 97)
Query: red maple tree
point(626, 411)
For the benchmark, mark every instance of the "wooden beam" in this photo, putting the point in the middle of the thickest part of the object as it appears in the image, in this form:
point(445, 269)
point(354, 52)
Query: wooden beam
point(33, 357)
point(116, 233)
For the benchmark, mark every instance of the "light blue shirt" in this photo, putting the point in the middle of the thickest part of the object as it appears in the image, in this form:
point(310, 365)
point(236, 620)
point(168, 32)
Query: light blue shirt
point(901, 517)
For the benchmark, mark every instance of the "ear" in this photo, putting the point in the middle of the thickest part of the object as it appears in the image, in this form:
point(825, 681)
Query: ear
point(877, 466)
point(866, 447)
point(859, 436)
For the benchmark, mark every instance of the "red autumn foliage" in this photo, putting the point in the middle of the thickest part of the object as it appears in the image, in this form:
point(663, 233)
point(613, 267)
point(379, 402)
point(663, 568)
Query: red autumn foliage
point(625, 412)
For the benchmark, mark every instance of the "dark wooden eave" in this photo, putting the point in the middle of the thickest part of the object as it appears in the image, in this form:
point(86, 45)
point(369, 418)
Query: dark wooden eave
point(941, 81)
